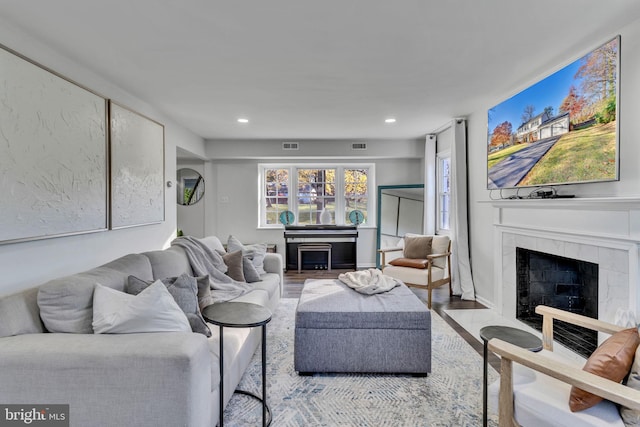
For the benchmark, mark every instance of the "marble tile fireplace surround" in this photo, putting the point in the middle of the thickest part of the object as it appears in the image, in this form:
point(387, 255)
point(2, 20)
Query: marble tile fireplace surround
point(604, 231)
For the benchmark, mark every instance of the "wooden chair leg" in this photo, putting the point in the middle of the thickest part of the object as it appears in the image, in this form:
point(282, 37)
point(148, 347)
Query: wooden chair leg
point(429, 298)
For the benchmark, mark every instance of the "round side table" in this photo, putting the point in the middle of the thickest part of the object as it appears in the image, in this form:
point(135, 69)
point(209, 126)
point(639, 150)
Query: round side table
point(241, 315)
point(511, 335)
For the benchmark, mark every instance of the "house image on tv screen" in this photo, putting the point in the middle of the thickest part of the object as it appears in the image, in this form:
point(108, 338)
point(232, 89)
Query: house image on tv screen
point(542, 126)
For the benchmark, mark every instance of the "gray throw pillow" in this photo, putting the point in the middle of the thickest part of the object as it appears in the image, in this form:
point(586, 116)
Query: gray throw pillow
point(256, 252)
point(66, 306)
point(233, 261)
point(417, 247)
point(205, 297)
point(250, 273)
point(184, 290)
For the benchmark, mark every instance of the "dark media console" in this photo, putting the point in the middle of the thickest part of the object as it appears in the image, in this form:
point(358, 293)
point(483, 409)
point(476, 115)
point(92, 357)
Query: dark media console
point(341, 239)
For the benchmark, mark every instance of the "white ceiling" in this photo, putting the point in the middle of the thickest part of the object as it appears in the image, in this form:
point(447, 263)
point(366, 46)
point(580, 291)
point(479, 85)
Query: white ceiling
point(324, 69)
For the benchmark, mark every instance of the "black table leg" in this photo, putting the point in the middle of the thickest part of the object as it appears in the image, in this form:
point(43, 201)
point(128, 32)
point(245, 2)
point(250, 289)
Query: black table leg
point(221, 358)
point(264, 375)
point(484, 386)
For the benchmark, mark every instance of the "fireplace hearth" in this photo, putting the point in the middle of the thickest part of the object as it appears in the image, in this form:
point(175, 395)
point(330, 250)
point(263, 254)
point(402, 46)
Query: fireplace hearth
point(559, 282)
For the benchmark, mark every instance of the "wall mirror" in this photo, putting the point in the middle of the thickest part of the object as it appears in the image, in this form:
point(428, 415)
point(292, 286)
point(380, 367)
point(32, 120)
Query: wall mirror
point(400, 211)
point(190, 186)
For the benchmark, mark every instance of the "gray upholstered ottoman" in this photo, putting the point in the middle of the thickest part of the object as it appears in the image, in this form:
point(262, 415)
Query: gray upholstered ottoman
point(340, 330)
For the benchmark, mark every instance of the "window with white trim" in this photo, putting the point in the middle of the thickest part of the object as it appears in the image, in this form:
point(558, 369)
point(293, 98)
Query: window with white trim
point(316, 192)
point(443, 170)
point(307, 190)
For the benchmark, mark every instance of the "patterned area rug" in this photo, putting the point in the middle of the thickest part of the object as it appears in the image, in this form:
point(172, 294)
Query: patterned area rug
point(450, 396)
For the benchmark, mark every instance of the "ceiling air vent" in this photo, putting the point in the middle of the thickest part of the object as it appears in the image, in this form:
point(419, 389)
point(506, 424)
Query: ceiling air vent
point(359, 146)
point(290, 146)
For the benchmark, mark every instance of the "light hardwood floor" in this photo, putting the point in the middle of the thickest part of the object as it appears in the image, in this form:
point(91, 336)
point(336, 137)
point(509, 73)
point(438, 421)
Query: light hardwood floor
point(294, 281)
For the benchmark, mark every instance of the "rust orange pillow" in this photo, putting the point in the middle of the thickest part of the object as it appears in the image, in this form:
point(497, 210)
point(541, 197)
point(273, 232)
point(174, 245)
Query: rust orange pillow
point(611, 360)
point(409, 262)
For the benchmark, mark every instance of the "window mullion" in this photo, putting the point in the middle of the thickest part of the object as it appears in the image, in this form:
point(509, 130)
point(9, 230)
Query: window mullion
point(340, 207)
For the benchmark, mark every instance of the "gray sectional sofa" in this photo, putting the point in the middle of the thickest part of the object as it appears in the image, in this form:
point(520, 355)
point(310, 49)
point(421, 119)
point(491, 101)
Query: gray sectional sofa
point(139, 379)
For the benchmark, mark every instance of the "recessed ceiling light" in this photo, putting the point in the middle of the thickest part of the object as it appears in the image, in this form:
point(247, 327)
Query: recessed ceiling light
point(390, 120)
point(241, 120)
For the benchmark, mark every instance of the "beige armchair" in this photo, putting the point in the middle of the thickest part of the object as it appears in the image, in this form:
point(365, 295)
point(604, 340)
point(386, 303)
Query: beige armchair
point(427, 271)
point(536, 390)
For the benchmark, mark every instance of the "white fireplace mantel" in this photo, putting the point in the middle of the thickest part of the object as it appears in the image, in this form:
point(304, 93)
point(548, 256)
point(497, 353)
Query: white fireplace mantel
point(603, 230)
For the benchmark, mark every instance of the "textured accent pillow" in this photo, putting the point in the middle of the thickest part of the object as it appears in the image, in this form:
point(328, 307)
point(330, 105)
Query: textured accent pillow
point(184, 290)
point(152, 310)
point(417, 247)
point(250, 273)
point(631, 417)
point(611, 360)
point(256, 252)
point(410, 262)
point(233, 261)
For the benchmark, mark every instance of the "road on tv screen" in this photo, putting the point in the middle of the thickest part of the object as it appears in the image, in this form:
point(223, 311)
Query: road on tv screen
point(509, 172)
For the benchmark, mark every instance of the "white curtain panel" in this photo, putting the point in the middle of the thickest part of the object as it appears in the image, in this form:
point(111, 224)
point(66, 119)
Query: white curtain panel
point(460, 264)
point(430, 187)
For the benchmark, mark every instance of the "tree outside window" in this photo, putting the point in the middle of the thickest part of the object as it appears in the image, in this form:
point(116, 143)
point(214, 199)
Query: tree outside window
point(356, 196)
point(316, 191)
point(276, 194)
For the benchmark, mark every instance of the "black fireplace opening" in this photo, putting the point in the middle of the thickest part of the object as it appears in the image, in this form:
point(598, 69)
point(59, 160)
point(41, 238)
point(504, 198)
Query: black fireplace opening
point(559, 282)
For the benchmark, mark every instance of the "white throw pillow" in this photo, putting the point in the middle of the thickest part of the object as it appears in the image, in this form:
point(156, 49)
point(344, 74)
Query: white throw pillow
point(152, 310)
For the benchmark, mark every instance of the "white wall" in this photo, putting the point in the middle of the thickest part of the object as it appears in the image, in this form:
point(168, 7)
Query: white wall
point(31, 263)
point(481, 214)
point(233, 199)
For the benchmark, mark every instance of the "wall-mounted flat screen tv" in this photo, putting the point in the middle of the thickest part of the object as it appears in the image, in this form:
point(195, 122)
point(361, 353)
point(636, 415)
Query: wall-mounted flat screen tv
point(561, 130)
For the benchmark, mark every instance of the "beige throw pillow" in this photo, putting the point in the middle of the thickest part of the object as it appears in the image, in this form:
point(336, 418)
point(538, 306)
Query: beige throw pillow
point(233, 260)
point(417, 247)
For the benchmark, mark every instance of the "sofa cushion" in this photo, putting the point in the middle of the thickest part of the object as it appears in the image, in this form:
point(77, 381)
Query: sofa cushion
point(66, 303)
point(213, 243)
point(131, 265)
point(612, 360)
point(416, 276)
point(540, 400)
point(152, 310)
point(255, 251)
point(417, 247)
point(270, 283)
point(19, 314)
point(184, 290)
point(171, 262)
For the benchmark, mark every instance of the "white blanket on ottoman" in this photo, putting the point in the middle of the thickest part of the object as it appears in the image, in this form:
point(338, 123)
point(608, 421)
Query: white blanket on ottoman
point(368, 282)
